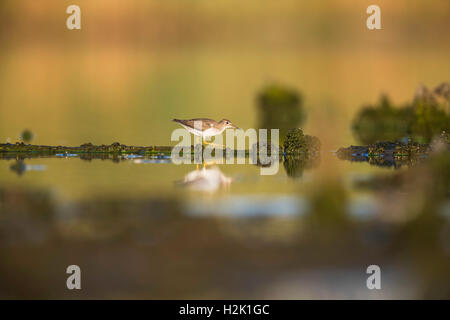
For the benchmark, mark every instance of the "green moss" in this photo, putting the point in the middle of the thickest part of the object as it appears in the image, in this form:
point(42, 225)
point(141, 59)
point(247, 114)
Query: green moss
point(116, 147)
point(386, 148)
point(27, 135)
point(91, 151)
point(428, 121)
point(296, 142)
point(422, 120)
point(280, 108)
point(301, 152)
point(382, 122)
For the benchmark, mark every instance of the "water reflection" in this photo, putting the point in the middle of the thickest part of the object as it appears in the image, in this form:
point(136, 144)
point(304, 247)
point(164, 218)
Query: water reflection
point(115, 157)
point(386, 161)
point(296, 165)
point(154, 160)
point(20, 167)
point(247, 243)
point(205, 179)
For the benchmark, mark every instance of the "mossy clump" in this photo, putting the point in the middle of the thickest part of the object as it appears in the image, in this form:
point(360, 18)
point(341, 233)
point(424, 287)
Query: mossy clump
point(26, 135)
point(429, 121)
point(116, 147)
point(422, 120)
point(387, 154)
point(382, 122)
point(300, 152)
point(297, 142)
point(280, 108)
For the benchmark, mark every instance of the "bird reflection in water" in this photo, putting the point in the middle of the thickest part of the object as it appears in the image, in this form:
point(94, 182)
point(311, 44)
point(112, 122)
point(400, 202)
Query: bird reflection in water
point(206, 180)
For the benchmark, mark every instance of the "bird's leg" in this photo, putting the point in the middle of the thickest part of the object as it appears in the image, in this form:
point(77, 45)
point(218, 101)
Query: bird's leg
point(195, 158)
point(214, 144)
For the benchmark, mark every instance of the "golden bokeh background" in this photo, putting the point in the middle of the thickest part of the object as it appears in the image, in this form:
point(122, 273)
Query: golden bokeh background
point(137, 64)
point(133, 228)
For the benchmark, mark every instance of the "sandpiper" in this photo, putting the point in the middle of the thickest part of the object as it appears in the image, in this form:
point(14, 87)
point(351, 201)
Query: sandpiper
point(205, 128)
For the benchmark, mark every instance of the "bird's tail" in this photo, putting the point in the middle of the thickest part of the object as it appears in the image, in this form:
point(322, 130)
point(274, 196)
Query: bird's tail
point(175, 120)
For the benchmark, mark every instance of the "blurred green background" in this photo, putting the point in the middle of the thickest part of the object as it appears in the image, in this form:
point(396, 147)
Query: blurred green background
point(135, 65)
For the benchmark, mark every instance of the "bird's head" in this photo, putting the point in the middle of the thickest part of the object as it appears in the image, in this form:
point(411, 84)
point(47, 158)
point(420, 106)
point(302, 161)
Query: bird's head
point(225, 124)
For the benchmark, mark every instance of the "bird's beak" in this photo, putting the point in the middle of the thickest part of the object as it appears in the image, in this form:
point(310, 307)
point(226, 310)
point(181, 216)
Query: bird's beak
point(235, 127)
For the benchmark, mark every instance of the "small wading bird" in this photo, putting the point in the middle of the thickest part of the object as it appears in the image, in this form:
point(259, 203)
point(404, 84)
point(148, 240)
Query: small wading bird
point(206, 128)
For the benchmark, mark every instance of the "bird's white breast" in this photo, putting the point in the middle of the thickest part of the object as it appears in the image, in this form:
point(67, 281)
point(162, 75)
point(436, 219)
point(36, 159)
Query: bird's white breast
point(205, 133)
point(211, 132)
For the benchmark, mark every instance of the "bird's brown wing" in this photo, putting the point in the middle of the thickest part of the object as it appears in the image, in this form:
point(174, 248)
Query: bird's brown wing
point(206, 123)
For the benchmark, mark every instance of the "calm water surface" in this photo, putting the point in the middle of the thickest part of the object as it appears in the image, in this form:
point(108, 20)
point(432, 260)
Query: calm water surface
point(158, 230)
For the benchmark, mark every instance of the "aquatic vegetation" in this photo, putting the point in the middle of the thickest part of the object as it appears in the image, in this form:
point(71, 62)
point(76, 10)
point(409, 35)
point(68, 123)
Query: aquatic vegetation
point(426, 117)
point(398, 152)
point(90, 151)
point(381, 122)
point(86, 148)
point(300, 152)
point(27, 135)
point(428, 121)
point(297, 142)
point(387, 154)
point(281, 108)
point(439, 96)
